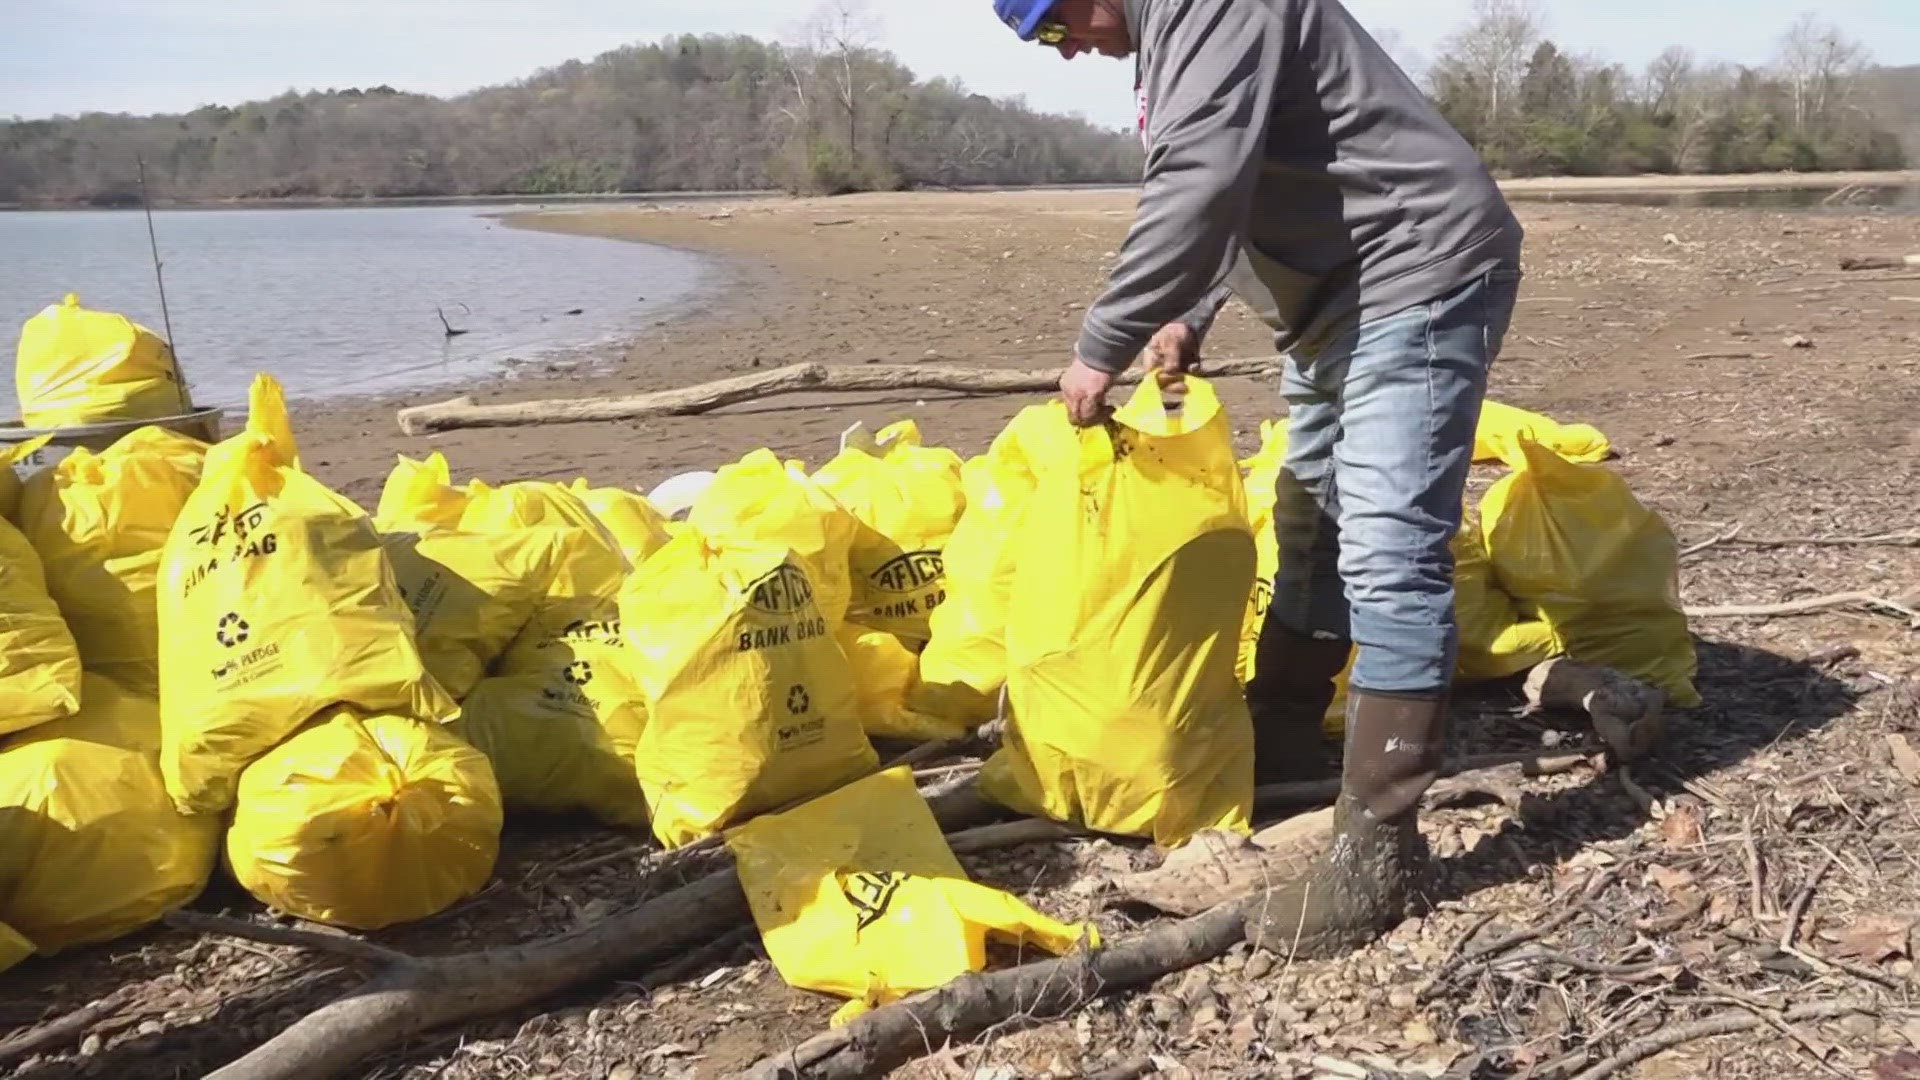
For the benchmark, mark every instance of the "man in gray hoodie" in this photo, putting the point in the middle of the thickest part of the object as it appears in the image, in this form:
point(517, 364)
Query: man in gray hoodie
point(1292, 163)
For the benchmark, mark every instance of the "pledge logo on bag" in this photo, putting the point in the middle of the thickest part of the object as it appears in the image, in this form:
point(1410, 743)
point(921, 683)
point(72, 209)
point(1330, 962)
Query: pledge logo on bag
point(783, 593)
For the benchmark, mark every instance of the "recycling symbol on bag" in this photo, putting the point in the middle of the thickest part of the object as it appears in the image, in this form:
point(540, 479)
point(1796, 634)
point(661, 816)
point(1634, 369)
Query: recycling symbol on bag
point(579, 673)
point(232, 630)
point(797, 699)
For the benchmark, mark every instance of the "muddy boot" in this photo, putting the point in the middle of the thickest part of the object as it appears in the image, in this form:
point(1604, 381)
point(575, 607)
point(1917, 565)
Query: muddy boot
point(1376, 864)
point(1289, 693)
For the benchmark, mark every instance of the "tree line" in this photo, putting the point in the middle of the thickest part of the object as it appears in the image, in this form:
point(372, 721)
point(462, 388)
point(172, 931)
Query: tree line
point(1533, 108)
point(831, 112)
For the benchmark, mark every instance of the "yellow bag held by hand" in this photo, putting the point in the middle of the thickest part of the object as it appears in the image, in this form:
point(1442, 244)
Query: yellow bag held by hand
point(857, 894)
point(907, 497)
point(1500, 425)
point(750, 703)
point(91, 848)
point(1136, 560)
point(366, 821)
point(39, 663)
point(1602, 569)
point(100, 523)
point(78, 366)
point(276, 601)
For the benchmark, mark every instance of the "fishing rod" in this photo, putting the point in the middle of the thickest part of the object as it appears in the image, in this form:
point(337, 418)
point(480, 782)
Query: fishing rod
point(160, 282)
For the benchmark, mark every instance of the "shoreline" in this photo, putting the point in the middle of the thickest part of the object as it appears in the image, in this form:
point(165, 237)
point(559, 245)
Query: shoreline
point(1524, 187)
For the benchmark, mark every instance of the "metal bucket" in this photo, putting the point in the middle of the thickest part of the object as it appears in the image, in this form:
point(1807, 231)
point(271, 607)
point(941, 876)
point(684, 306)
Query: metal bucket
point(202, 424)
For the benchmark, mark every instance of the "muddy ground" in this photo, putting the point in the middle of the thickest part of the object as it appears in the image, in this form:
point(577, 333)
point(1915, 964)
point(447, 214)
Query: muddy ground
point(1762, 400)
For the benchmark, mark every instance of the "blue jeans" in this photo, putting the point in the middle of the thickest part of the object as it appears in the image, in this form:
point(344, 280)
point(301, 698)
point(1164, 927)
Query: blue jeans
point(1381, 422)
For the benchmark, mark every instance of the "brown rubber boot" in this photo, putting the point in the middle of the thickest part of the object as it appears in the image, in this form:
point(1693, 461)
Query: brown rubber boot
point(1291, 689)
point(1377, 862)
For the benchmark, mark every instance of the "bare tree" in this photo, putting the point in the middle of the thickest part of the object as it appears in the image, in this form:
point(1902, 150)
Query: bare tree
point(841, 33)
point(1492, 50)
point(1819, 63)
point(1668, 78)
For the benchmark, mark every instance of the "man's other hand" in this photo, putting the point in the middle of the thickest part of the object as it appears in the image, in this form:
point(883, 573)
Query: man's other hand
point(1173, 351)
point(1084, 388)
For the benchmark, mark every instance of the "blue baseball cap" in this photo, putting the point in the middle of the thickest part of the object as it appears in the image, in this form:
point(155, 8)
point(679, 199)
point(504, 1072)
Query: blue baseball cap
point(1024, 16)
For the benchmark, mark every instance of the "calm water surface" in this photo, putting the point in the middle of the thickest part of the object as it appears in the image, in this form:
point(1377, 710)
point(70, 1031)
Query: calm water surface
point(341, 301)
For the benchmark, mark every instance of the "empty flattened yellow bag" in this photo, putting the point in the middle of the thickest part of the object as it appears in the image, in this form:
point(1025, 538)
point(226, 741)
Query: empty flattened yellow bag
point(470, 594)
point(78, 366)
point(366, 821)
point(1496, 640)
point(908, 497)
point(750, 703)
point(856, 894)
point(761, 499)
point(419, 495)
point(636, 524)
point(91, 847)
point(100, 523)
point(1602, 569)
point(276, 601)
point(1501, 425)
point(39, 663)
point(1136, 560)
point(964, 666)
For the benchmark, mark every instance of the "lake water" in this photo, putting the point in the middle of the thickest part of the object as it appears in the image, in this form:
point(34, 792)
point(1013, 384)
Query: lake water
point(341, 301)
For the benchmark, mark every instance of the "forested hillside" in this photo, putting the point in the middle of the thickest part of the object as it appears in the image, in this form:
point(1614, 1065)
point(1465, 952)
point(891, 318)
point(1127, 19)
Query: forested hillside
point(689, 113)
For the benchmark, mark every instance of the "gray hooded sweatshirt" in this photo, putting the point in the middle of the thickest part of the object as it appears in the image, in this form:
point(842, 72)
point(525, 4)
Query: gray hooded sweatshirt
point(1291, 162)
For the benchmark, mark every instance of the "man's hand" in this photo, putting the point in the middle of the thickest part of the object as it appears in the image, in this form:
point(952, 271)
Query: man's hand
point(1174, 351)
point(1084, 387)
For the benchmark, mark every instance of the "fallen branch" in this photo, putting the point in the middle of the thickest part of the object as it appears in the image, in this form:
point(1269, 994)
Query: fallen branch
point(406, 998)
point(1726, 1023)
point(59, 1031)
point(1879, 262)
point(1801, 607)
point(326, 941)
point(1903, 538)
point(1300, 793)
point(895, 1034)
point(463, 412)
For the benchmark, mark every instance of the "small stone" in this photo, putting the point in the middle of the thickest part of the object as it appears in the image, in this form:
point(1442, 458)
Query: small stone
point(1164, 1010)
point(623, 1072)
point(1205, 1014)
point(1797, 341)
point(1901, 968)
point(1196, 987)
point(1402, 998)
point(90, 1046)
point(150, 1027)
point(1285, 1012)
point(1259, 965)
point(1418, 1032)
point(1663, 440)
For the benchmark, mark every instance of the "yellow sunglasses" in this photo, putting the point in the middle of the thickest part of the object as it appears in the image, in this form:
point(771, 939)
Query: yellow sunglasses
point(1050, 33)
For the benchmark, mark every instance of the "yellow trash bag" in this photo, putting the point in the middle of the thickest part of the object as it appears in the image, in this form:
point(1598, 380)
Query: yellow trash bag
point(764, 500)
point(1135, 564)
point(1501, 424)
point(100, 522)
point(10, 484)
point(750, 703)
point(276, 601)
point(908, 497)
point(418, 496)
point(964, 666)
point(636, 524)
point(90, 846)
point(470, 594)
point(39, 664)
point(79, 366)
point(857, 894)
point(1603, 570)
point(1496, 640)
point(885, 673)
point(365, 821)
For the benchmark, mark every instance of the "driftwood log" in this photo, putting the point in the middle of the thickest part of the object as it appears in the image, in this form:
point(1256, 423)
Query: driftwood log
point(464, 412)
point(890, 1036)
point(1879, 262)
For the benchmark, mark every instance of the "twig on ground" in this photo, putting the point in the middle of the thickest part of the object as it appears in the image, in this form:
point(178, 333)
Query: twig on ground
point(1772, 1018)
point(1126, 1070)
point(1723, 1024)
point(1756, 874)
point(60, 1030)
point(1802, 607)
point(1902, 538)
point(1009, 834)
point(1703, 545)
point(1485, 955)
point(1797, 910)
point(328, 941)
point(683, 966)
